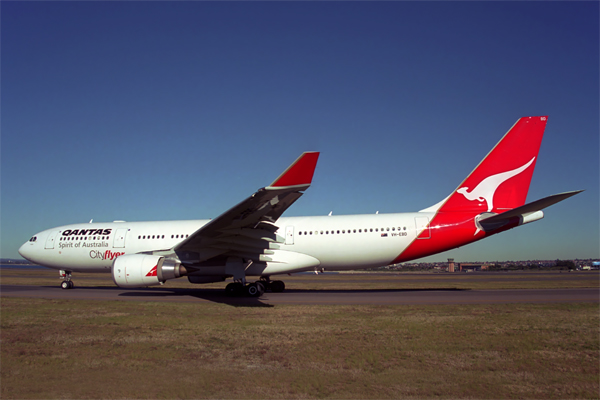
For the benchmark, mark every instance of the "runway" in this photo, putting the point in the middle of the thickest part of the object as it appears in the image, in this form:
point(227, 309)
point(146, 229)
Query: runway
point(311, 297)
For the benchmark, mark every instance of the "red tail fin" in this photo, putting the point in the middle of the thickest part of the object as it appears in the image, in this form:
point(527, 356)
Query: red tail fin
point(501, 181)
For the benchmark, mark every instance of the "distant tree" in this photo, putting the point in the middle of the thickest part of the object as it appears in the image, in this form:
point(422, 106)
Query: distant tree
point(565, 264)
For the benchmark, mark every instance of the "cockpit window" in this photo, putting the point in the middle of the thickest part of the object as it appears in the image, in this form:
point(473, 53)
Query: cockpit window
point(33, 239)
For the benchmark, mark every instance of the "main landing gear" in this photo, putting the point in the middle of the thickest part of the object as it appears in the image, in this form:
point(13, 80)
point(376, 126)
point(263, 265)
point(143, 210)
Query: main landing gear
point(255, 289)
point(67, 283)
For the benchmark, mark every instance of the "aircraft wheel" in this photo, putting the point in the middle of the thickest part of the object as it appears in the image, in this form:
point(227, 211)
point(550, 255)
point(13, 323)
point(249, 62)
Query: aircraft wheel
point(261, 286)
point(277, 286)
point(65, 285)
point(234, 289)
point(254, 289)
point(265, 284)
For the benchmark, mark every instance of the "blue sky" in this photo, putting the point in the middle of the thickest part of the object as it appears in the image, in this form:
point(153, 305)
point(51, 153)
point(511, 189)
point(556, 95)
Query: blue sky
point(178, 110)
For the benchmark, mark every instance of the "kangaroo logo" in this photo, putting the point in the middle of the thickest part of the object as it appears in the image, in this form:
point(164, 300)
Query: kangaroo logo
point(486, 189)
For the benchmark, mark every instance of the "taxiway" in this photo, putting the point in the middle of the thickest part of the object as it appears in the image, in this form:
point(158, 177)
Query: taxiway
point(311, 297)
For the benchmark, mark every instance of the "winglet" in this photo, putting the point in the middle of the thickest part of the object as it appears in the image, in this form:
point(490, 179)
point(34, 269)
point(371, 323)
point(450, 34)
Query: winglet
point(300, 173)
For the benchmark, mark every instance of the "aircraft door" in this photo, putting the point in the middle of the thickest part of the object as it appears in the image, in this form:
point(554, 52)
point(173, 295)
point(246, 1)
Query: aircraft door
point(289, 235)
point(51, 239)
point(119, 240)
point(422, 225)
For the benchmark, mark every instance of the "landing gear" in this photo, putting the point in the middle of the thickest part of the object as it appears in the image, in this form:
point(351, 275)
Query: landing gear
point(255, 289)
point(67, 283)
point(277, 286)
point(234, 289)
point(236, 268)
point(273, 286)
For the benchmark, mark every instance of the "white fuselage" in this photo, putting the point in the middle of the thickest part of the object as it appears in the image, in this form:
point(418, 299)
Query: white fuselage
point(327, 242)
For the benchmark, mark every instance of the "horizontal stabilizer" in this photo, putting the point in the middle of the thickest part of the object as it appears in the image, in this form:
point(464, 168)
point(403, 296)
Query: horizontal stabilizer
point(529, 208)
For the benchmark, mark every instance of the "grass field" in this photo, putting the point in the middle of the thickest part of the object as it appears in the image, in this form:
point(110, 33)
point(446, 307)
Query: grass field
point(96, 349)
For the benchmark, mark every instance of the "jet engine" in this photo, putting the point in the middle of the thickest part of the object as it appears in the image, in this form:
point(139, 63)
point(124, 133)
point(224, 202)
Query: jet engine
point(138, 270)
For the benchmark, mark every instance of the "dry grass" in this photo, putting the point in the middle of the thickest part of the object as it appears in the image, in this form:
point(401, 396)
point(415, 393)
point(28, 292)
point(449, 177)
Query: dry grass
point(94, 349)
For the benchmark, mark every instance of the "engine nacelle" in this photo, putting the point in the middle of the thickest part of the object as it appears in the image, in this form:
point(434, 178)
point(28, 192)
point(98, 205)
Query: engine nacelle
point(138, 270)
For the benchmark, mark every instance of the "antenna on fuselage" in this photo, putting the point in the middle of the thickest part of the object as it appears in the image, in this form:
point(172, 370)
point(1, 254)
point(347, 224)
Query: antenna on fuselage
point(91, 220)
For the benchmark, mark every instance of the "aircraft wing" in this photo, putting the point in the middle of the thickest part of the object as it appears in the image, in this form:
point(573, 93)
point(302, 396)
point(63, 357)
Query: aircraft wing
point(247, 230)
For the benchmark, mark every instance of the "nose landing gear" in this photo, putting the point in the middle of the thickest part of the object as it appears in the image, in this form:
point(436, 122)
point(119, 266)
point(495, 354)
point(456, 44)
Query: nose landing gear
point(67, 283)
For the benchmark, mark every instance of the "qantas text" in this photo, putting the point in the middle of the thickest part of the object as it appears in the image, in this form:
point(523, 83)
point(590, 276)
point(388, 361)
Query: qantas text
point(69, 232)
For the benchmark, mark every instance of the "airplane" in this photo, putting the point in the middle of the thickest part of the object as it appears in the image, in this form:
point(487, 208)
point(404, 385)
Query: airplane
point(252, 239)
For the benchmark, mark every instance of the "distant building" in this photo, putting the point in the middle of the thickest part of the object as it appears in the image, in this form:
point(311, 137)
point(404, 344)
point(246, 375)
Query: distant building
point(451, 265)
point(469, 267)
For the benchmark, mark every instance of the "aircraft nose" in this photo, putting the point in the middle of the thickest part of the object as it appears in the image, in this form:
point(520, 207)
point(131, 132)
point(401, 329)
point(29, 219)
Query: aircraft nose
point(27, 249)
point(23, 250)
